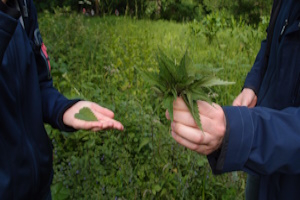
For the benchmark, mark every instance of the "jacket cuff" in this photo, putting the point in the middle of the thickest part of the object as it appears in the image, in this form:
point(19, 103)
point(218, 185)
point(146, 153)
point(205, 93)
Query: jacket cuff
point(240, 139)
point(237, 142)
point(217, 158)
point(61, 124)
point(249, 84)
point(13, 12)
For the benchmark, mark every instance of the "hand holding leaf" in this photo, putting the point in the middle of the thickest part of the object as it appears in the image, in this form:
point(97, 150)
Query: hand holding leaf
point(87, 115)
point(189, 81)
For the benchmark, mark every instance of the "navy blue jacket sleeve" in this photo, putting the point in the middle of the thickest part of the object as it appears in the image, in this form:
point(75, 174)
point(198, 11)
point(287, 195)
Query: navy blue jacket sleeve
point(261, 141)
point(255, 76)
point(54, 104)
point(8, 25)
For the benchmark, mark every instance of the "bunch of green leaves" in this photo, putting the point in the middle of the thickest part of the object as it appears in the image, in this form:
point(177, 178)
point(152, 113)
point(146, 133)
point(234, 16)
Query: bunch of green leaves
point(189, 81)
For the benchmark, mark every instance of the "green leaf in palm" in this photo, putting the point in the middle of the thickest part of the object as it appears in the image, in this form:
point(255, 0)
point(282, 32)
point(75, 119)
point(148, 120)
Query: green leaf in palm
point(185, 80)
point(86, 114)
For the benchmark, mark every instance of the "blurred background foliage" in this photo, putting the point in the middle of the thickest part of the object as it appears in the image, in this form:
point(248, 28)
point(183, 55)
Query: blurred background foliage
point(177, 10)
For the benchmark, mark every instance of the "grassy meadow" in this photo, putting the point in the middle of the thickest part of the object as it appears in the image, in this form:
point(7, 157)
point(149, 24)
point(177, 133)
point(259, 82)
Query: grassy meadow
point(94, 58)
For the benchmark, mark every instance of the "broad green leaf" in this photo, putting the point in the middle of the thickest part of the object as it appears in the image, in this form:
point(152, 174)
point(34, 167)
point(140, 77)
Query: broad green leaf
point(170, 65)
point(86, 114)
point(213, 81)
point(156, 188)
point(199, 95)
point(168, 104)
point(184, 64)
point(150, 77)
point(59, 191)
point(174, 93)
point(198, 71)
point(193, 107)
point(165, 76)
point(159, 92)
point(208, 82)
point(144, 142)
point(180, 87)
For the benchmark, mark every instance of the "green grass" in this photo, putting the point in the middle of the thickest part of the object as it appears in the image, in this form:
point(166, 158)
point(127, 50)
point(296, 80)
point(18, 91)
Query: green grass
point(94, 59)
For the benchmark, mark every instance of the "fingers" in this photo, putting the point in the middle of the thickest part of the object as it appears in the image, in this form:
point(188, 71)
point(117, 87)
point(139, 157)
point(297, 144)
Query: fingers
point(246, 98)
point(253, 102)
point(182, 141)
point(98, 125)
point(104, 125)
point(184, 117)
point(105, 119)
point(207, 109)
point(107, 123)
point(186, 132)
point(190, 134)
point(203, 149)
point(204, 107)
point(244, 101)
point(95, 107)
point(209, 113)
point(236, 102)
point(179, 104)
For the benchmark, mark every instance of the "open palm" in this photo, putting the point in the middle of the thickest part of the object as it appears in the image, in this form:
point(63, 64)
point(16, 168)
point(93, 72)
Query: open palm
point(105, 118)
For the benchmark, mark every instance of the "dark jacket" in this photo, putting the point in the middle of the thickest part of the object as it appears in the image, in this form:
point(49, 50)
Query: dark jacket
point(265, 140)
point(28, 99)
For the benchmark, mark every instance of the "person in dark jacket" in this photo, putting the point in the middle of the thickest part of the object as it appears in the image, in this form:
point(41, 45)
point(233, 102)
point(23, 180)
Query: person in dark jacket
point(260, 133)
point(28, 100)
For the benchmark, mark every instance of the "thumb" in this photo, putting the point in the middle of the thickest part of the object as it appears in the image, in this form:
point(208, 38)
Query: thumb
point(237, 102)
